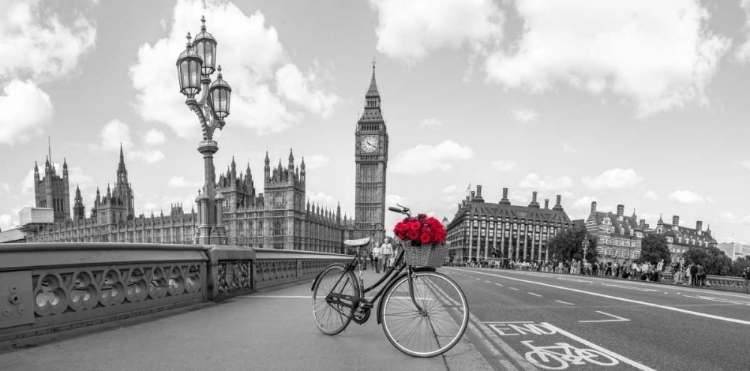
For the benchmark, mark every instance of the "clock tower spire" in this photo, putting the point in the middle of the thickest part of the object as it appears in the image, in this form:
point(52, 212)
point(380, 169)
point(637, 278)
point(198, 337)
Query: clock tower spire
point(371, 160)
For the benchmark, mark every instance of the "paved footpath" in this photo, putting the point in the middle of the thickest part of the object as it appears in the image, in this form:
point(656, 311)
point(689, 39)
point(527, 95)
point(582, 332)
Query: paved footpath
point(271, 330)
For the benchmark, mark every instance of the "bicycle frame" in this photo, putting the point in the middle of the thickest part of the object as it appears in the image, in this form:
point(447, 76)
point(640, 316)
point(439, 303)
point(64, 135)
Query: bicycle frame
point(398, 267)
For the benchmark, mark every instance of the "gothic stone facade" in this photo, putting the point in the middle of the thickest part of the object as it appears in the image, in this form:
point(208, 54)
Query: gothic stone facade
point(278, 219)
point(483, 230)
point(371, 159)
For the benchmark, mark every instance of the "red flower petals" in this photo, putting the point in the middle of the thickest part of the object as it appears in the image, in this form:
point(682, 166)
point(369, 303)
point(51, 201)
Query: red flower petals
point(427, 230)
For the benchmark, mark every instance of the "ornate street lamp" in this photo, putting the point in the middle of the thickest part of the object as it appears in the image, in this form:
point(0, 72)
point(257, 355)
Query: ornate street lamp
point(199, 58)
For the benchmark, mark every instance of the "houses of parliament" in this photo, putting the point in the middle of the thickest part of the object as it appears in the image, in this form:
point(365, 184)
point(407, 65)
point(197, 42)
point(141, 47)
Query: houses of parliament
point(280, 217)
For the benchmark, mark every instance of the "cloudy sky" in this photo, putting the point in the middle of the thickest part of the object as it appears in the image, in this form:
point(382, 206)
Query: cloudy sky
point(639, 103)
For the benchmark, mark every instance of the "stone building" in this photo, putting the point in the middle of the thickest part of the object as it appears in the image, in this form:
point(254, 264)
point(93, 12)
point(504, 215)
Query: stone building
point(618, 236)
point(371, 161)
point(501, 230)
point(52, 191)
point(279, 219)
point(680, 239)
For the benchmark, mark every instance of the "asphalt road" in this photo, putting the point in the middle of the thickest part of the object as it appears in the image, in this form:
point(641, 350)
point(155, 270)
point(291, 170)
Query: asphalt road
point(595, 323)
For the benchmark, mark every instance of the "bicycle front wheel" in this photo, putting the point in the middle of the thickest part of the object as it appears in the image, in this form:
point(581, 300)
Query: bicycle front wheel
point(435, 329)
point(331, 311)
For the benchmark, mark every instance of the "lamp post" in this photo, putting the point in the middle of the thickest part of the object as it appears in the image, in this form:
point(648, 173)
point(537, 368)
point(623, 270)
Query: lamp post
point(199, 59)
point(585, 245)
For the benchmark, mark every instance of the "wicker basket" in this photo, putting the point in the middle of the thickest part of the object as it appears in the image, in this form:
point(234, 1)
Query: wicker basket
point(419, 256)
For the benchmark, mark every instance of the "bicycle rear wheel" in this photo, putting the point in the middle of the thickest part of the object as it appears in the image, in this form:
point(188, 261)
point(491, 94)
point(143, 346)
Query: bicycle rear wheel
point(438, 327)
point(333, 314)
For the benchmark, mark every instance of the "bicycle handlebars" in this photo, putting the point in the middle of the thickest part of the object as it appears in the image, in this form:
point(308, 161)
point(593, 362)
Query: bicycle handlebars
point(395, 209)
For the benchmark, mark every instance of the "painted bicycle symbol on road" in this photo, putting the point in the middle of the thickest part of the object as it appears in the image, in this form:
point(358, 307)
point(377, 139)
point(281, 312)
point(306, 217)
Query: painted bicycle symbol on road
point(556, 357)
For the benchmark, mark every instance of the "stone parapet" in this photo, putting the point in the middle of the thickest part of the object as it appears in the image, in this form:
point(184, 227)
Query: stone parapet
point(53, 287)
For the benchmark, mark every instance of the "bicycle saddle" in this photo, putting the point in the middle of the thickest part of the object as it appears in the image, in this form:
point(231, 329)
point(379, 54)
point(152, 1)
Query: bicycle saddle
point(359, 242)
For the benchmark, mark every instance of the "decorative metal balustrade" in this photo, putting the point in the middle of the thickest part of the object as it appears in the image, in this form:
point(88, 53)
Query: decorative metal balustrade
point(49, 288)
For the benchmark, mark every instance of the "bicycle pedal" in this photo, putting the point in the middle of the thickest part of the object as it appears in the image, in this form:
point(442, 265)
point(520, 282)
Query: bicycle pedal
point(367, 305)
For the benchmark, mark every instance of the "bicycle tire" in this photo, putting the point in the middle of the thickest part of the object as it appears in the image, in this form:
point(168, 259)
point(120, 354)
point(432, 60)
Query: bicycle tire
point(331, 319)
point(436, 330)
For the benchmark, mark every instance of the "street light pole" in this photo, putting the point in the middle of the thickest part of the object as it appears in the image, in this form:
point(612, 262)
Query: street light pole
point(199, 58)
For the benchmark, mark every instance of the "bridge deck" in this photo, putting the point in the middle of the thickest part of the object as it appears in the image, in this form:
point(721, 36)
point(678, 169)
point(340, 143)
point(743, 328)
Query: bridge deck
point(271, 330)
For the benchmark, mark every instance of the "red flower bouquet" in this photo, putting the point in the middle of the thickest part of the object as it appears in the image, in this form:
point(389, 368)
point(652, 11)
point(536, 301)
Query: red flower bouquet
point(420, 230)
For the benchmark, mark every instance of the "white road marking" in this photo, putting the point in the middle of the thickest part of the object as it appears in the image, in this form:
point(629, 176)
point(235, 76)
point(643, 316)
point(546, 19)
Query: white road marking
point(499, 284)
point(617, 318)
point(531, 293)
point(513, 288)
point(718, 300)
point(720, 318)
point(488, 281)
point(628, 288)
point(571, 279)
point(603, 350)
point(500, 322)
point(478, 279)
point(564, 302)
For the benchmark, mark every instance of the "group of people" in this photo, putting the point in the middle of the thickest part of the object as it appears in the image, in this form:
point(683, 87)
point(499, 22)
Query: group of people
point(693, 274)
point(381, 257)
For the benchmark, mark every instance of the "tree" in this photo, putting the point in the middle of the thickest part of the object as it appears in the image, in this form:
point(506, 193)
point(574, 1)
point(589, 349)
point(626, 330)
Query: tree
point(568, 245)
point(653, 248)
point(712, 259)
point(739, 266)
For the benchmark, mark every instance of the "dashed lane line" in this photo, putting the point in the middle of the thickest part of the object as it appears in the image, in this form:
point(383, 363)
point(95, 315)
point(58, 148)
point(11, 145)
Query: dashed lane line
point(699, 314)
point(499, 284)
point(488, 281)
point(564, 302)
point(531, 293)
point(513, 288)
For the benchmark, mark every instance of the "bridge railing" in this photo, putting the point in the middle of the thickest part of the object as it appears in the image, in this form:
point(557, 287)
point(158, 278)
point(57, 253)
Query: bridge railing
point(47, 288)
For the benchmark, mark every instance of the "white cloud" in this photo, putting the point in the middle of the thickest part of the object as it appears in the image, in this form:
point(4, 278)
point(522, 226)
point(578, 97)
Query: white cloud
point(323, 200)
point(519, 198)
point(742, 53)
point(613, 179)
point(452, 194)
point(43, 48)
point(316, 162)
point(154, 137)
point(584, 203)
point(4, 188)
point(430, 123)
point(77, 178)
point(746, 164)
point(658, 55)
point(524, 114)
point(25, 109)
point(651, 195)
point(297, 88)
point(410, 29)
point(250, 56)
point(502, 165)
point(148, 156)
point(686, 197)
point(6, 222)
point(180, 182)
point(114, 134)
point(534, 182)
point(426, 158)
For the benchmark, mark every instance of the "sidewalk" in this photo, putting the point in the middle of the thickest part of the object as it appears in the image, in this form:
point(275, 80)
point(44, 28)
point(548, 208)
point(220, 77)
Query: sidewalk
point(272, 330)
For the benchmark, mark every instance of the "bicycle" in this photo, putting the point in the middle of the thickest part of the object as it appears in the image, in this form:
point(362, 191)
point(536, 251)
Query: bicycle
point(556, 357)
point(423, 312)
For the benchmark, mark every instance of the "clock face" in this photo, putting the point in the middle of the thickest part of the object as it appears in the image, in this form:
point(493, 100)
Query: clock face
point(370, 143)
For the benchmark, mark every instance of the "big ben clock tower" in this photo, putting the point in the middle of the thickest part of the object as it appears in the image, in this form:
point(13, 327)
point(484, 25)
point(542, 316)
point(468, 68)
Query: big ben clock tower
point(371, 159)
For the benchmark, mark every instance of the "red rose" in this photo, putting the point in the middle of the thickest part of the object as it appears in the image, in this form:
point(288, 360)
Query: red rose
point(412, 234)
point(425, 238)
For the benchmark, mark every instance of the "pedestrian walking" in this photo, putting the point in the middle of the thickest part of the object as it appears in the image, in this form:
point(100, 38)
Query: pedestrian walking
point(375, 257)
point(386, 251)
